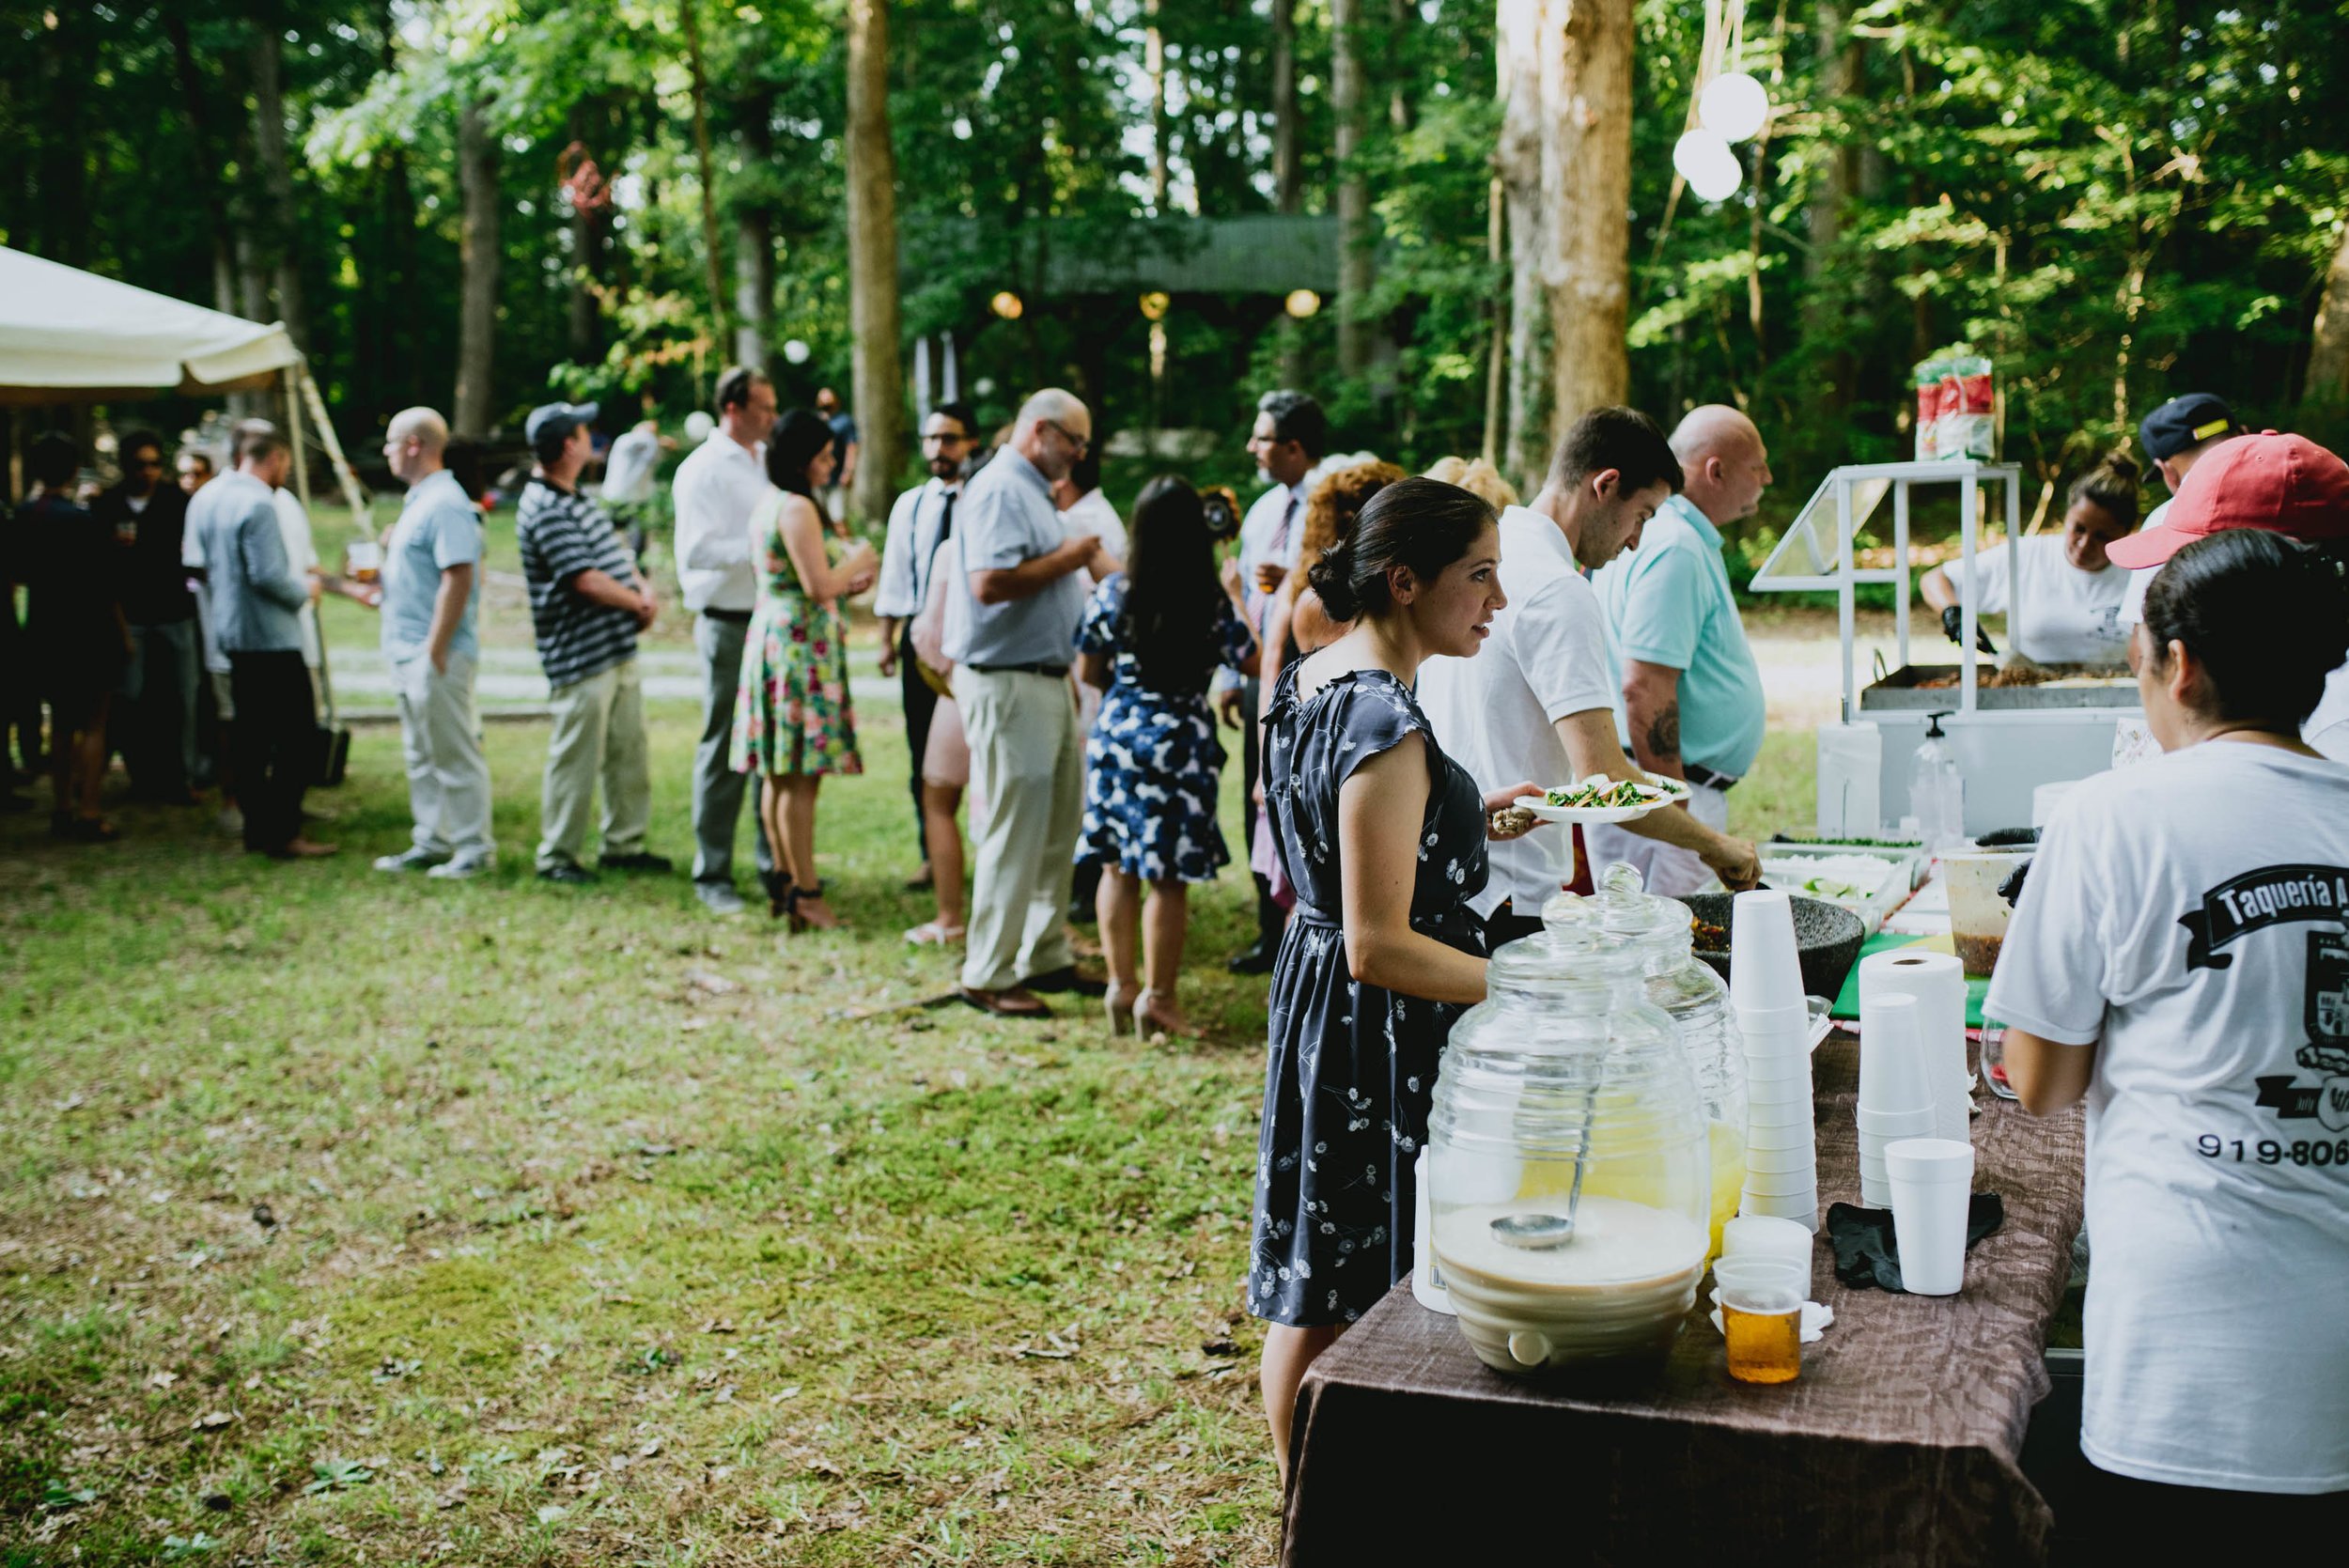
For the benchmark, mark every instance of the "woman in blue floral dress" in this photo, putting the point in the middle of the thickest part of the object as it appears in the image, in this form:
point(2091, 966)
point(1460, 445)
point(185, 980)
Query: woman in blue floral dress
point(1153, 636)
point(1383, 837)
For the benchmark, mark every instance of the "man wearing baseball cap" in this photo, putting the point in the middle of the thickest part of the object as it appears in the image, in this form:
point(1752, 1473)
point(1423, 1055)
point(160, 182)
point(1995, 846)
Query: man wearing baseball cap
point(2174, 437)
point(586, 606)
point(2284, 484)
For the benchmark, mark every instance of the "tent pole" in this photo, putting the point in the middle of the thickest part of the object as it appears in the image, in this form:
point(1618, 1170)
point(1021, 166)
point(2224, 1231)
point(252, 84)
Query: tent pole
point(353, 493)
point(293, 423)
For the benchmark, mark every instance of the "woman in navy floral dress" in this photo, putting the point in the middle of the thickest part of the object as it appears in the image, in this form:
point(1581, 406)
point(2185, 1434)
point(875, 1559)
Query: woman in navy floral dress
point(1154, 636)
point(1383, 837)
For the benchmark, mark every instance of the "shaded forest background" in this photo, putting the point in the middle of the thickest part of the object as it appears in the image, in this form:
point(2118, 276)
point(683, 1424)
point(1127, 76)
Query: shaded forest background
point(2117, 201)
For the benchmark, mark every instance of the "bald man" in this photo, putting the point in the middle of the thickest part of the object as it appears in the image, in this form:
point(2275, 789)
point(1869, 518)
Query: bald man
point(431, 599)
point(1689, 701)
point(1023, 590)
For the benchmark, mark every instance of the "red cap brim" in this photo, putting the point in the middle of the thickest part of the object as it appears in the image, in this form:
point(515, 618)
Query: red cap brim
point(2149, 549)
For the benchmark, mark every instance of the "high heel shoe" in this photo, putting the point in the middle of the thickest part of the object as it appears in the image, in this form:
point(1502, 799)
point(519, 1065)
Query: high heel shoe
point(796, 911)
point(1147, 1025)
point(1118, 1006)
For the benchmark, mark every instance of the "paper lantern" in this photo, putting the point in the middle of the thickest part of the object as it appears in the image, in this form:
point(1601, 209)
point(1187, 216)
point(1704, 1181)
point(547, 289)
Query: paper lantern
point(698, 427)
point(1733, 106)
point(1705, 162)
point(797, 350)
point(1008, 305)
point(1301, 303)
point(1154, 305)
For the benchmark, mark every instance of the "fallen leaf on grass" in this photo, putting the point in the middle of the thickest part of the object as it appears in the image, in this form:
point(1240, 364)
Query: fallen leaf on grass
point(212, 1421)
point(649, 1447)
point(1219, 1348)
point(708, 984)
point(163, 1381)
point(719, 1325)
point(548, 1514)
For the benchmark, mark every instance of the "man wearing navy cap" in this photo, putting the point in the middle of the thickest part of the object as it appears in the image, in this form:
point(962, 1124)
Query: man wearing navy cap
point(586, 606)
point(2174, 437)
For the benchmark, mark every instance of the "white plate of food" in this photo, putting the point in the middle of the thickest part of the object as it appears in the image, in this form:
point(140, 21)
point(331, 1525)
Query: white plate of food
point(1599, 798)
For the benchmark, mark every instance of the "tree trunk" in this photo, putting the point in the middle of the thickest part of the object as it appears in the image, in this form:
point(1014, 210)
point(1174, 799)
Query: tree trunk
point(1353, 203)
point(478, 253)
point(1825, 306)
point(1286, 197)
point(1399, 28)
point(755, 241)
point(1586, 199)
point(1154, 67)
point(215, 202)
point(279, 229)
point(584, 323)
point(1517, 163)
point(872, 169)
point(705, 165)
point(2327, 379)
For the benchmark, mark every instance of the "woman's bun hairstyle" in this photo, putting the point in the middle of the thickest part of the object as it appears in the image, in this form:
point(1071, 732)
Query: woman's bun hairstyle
point(2267, 616)
point(2113, 485)
point(1422, 524)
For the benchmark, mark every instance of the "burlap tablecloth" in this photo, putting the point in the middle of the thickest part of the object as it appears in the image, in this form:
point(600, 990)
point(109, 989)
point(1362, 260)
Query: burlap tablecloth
point(1897, 1444)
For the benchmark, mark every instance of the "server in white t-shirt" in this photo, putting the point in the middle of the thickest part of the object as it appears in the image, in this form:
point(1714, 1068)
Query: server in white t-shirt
point(2179, 957)
point(1537, 703)
point(2060, 593)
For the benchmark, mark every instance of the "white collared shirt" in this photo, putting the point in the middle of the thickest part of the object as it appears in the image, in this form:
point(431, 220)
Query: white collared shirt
point(908, 550)
point(1258, 529)
point(716, 489)
point(1496, 713)
point(1093, 514)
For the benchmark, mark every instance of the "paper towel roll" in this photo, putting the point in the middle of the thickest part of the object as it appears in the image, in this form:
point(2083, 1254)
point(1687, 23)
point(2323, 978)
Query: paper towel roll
point(1937, 981)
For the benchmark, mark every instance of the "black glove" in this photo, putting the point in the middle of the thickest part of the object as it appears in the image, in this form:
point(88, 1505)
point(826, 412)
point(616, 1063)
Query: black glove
point(1953, 623)
point(2012, 888)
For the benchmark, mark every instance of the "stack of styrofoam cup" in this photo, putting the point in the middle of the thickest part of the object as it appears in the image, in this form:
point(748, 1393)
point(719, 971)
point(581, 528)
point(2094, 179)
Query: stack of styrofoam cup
point(1766, 993)
point(1933, 1188)
point(1937, 981)
point(1896, 1098)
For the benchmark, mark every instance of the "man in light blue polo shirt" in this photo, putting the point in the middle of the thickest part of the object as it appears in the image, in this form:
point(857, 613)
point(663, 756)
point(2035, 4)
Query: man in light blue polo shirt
point(1689, 699)
point(431, 598)
point(1023, 588)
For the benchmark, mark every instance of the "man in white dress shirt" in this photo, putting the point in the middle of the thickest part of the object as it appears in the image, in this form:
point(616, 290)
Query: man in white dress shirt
point(1538, 701)
point(716, 489)
point(1291, 434)
point(922, 519)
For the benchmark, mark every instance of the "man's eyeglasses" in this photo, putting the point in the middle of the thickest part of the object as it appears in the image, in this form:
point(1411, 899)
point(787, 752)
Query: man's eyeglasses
point(944, 437)
point(155, 464)
point(1080, 442)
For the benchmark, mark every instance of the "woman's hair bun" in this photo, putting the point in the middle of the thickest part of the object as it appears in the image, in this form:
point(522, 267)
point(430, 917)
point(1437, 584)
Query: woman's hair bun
point(1333, 578)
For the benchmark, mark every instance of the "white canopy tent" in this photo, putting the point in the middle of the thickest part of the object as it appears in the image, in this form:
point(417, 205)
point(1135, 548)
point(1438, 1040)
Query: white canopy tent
point(70, 336)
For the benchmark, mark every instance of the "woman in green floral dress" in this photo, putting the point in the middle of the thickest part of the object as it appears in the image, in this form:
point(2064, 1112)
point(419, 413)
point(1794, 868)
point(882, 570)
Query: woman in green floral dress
point(792, 718)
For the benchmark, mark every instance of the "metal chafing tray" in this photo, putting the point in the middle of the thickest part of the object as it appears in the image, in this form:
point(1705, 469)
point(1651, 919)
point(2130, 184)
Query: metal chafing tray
point(2067, 686)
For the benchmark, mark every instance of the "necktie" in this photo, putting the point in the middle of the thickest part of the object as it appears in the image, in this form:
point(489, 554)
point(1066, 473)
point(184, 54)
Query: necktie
point(929, 558)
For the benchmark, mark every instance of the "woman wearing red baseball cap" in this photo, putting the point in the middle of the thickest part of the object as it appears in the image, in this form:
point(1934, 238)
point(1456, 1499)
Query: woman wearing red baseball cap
point(2180, 959)
point(2279, 484)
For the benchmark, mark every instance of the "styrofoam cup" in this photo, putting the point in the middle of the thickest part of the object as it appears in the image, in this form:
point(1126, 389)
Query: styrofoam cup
point(1787, 1017)
point(1781, 1184)
point(1764, 965)
point(1932, 1187)
point(1778, 1068)
point(1803, 1211)
point(1751, 1235)
point(1779, 1161)
point(1781, 1137)
point(1892, 1074)
point(1797, 1092)
point(1895, 1123)
point(1764, 1271)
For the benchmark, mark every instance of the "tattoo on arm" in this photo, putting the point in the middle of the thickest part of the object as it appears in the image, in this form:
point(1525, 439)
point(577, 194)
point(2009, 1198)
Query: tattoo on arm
point(1663, 733)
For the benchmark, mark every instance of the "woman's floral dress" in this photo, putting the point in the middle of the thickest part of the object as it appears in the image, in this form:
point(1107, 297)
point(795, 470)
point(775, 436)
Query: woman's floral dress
point(1352, 1069)
point(791, 711)
point(1152, 760)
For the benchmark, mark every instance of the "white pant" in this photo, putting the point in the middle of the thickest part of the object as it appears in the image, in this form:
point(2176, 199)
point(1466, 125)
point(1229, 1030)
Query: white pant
point(599, 737)
point(440, 740)
point(1027, 762)
point(1669, 869)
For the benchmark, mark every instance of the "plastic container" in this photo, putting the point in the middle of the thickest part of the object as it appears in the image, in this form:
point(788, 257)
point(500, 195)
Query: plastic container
point(1936, 791)
point(1978, 915)
point(1694, 997)
point(1570, 1163)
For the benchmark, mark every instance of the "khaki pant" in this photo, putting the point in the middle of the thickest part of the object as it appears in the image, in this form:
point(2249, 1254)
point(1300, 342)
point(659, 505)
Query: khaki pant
point(1027, 762)
point(599, 734)
point(440, 740)
point(1668, 869)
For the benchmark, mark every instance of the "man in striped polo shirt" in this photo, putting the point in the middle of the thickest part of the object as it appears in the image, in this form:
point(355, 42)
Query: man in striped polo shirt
point(586, 605)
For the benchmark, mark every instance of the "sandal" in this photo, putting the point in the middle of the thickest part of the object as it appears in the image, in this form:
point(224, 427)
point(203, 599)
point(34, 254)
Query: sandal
point(796, 910)
point(936, 933)
point(1148, 1025)
point(1118, 1004)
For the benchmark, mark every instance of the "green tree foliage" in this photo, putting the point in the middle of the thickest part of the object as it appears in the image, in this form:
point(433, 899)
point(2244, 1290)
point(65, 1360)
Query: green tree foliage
point(2116, 201)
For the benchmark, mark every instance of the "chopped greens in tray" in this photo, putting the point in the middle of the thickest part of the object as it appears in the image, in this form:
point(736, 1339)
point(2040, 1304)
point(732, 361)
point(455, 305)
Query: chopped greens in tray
point(1600, 792)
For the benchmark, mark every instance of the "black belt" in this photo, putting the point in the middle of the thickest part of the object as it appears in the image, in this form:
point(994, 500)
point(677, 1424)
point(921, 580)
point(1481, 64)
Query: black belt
point(1697, 773)
point(1052, 671)
point(732, 618)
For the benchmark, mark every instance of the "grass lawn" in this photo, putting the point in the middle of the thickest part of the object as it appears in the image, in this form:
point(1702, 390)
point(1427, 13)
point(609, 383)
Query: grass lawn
point(354, 1219)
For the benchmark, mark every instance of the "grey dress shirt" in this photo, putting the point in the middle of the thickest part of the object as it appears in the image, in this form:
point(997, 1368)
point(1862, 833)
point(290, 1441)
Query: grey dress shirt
point(1007, 517)
point(257, 597)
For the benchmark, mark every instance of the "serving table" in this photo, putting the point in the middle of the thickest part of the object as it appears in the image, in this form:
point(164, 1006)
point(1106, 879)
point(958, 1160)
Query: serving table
point(1899, 1443)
